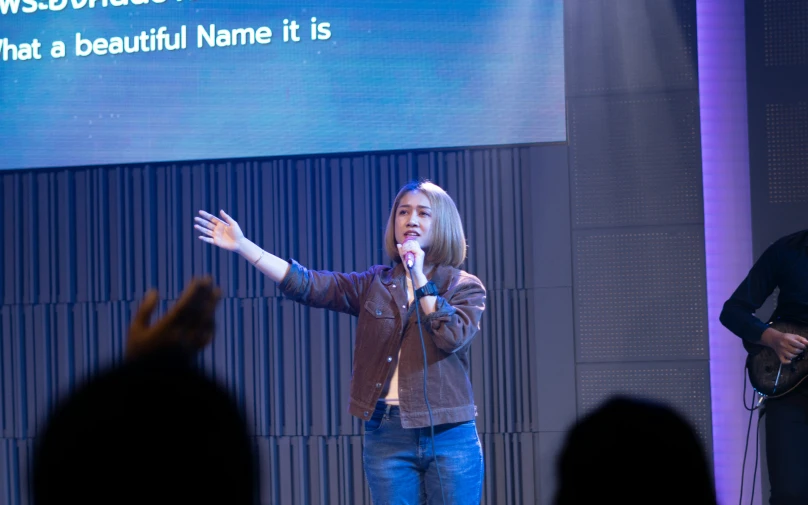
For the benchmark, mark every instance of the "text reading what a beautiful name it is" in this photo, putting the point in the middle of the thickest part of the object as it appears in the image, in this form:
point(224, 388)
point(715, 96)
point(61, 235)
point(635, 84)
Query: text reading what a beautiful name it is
point(160, 39)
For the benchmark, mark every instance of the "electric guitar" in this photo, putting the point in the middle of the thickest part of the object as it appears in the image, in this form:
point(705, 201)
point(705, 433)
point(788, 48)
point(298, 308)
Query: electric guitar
point(768, 376)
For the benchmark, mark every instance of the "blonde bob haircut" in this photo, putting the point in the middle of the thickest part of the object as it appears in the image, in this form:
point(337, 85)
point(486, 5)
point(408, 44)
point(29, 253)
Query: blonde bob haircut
point(448, 245)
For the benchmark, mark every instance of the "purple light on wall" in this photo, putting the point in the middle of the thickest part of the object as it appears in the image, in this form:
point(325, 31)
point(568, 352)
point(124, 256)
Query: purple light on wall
point(727, 226)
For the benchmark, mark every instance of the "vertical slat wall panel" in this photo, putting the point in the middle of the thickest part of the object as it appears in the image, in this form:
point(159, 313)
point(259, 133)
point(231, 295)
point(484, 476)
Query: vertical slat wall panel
point(82, 246)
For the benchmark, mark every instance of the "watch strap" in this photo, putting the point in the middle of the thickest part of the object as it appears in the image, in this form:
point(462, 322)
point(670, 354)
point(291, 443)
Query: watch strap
point(428, 289)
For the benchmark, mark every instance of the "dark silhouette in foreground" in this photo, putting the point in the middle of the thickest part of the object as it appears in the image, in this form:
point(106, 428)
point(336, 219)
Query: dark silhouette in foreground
point(633, 452)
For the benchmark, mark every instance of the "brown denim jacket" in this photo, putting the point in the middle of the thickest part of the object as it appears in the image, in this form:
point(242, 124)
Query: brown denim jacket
point(387, 324)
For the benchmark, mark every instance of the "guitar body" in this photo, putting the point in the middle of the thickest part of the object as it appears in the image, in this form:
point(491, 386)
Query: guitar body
point(763, 366)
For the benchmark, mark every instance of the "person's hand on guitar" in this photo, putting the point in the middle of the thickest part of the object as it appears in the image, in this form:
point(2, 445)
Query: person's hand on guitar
point(787, 345)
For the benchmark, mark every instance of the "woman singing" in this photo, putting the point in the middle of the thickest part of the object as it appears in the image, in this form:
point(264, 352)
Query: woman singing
point(411, 360)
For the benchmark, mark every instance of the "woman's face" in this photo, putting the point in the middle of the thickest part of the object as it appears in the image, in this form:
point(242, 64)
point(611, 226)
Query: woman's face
point(414, 219)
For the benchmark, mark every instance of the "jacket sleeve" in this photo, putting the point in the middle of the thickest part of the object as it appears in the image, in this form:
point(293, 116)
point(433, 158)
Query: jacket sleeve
point(336, 291)
point(738, 314)
point(456, 319)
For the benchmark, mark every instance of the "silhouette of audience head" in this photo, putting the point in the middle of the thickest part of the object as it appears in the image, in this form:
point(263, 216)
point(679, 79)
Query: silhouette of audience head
point(630, 452)
point(155, 430)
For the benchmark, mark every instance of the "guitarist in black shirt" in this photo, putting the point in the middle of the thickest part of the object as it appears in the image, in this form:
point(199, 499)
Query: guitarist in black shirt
point(777, 363)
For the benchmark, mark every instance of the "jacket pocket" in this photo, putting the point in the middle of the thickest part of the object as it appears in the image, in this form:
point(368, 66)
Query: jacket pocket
point(374, 423)
point(377, 324)
point(379, 310)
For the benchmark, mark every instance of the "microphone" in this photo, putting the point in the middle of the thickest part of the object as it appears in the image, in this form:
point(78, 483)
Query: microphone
point(409, 257)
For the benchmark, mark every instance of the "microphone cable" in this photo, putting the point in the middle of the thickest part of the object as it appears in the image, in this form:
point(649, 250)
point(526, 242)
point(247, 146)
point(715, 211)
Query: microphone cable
point(417, 301)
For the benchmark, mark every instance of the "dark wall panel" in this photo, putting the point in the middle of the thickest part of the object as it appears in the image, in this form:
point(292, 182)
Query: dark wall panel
point(636, 160)
point(640, 294)
point(639, 270)
point(630, 46)
point(684, 386)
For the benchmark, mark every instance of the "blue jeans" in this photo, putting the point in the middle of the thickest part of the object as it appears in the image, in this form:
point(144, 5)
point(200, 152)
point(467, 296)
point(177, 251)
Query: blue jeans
point(400, 465)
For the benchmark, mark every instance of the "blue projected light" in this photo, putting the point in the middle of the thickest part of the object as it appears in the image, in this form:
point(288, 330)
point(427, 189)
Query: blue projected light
point(92, 82)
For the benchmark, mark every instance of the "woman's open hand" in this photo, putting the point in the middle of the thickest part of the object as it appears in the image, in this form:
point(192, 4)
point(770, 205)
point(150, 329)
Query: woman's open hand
point(224, 232)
